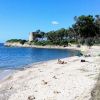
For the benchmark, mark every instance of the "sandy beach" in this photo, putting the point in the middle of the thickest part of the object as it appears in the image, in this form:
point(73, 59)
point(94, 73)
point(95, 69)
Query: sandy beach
point(49, 80)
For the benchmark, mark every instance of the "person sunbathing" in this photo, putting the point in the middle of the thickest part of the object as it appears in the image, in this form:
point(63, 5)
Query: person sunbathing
point(61, 62)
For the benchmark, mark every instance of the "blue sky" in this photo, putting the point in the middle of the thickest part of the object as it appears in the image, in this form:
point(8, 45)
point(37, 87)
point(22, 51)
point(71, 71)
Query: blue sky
point(19, 17)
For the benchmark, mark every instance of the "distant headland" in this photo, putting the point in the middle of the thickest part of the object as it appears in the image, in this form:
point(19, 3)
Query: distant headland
point(85, 31)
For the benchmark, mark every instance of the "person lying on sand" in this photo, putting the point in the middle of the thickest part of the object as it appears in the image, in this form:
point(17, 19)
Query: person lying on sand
point(61, 62)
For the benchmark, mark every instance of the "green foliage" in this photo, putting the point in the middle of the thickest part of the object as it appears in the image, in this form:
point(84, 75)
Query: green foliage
point(85, 26)
point(38, 34)
point(82, 41)
point(58, 37)
point(42, 43)
point(89, 41)
point(87, 29)
point(97, 40)
point(16, 41)
point(64, 42)
point(23, 41)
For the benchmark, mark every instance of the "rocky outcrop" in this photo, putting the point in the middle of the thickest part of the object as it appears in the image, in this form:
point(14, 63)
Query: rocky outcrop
point(13, 44)
point(17, 44)
point(27, 45)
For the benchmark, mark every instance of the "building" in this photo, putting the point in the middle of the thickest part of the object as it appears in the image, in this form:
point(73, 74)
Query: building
point(31, 36)
point(35, 36)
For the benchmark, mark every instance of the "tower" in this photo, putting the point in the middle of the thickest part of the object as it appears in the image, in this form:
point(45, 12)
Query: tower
point(31, 36)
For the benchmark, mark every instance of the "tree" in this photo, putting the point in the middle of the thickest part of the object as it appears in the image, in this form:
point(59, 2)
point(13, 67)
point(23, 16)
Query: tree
point(57, 37)
point(84, 26)
point(38, 34)
point(97, 24)
point(89, 41)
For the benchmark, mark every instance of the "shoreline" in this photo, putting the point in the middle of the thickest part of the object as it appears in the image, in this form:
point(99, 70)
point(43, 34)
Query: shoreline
point(74, 80)
point(73, 47)
point(4, 75)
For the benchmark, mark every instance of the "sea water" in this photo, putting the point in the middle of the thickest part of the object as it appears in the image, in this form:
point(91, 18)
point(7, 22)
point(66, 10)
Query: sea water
point(16, 58)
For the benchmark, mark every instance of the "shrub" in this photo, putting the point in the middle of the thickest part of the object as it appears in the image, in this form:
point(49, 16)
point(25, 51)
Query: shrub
point(22, 41)
point(64, 42)
point(17, 41)
point(82, 41)
point(89, 41)
point(97, 41)
point(42, 43)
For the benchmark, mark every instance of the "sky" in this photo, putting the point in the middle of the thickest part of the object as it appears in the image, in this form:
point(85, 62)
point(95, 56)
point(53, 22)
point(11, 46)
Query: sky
point(19, 17)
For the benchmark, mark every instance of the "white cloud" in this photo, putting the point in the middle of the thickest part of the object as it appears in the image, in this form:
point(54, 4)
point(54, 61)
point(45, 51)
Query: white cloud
point(54, 23)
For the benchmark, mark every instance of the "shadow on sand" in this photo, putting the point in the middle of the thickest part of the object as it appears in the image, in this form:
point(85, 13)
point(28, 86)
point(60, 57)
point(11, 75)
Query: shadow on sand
point(95, 93)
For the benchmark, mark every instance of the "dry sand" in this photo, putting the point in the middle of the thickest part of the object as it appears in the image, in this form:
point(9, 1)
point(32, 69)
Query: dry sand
point(51, 81)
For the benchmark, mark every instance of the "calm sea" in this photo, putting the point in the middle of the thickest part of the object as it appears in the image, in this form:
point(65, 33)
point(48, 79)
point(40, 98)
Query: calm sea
point(15, 57)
